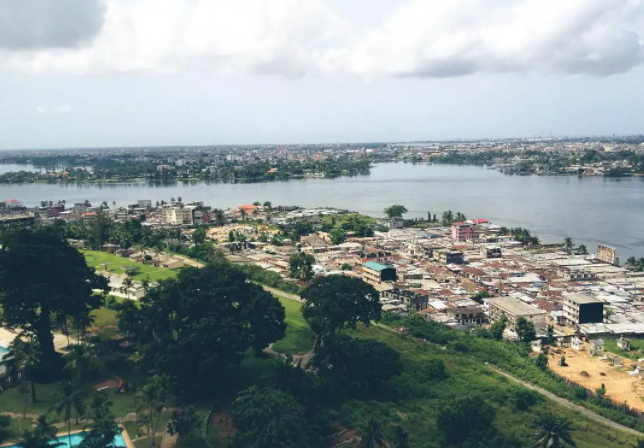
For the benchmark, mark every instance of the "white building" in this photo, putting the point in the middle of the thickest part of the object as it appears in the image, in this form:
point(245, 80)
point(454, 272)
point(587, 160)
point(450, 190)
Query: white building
point(177, 215)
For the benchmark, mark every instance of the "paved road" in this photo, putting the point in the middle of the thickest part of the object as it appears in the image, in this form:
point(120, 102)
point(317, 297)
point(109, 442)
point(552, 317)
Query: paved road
point(568, 404)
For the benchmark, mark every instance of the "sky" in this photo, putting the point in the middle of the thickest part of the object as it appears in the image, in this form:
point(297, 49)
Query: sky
point(101, 73)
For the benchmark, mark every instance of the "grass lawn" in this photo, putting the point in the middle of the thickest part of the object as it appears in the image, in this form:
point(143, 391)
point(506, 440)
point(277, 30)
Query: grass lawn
point(98, 260)
point(417, 411)
point(299, 338)
point(637, 347)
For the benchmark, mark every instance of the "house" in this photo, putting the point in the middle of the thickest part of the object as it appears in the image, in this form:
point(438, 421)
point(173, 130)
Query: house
point(596, 347)
point(614, 360)
point(491, 252)
point(144, 203)
point(412, 300)
point(173, 263)
point(582, 309)
point(89, 216)
point(446, 256)
point(392, 223)
point(376, 273)
point(513, 309)
point(467, 316)
point(624, 344)
point(576, 343)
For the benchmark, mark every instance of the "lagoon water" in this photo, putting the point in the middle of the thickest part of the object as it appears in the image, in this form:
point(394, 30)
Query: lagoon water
point(591, 210)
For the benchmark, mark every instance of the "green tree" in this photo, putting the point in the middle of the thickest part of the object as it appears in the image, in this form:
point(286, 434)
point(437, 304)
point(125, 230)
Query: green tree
point(542, 361)
point(301, 266)
point(42, 436)
point(5, 420)
point(395, 211)
point(525, 330)
point(400, 438)
point(346, 267)
point(63, 285)
point(357, 365)
point(184, 421)
point(550, 334)
point(568, 244)
point(335, 302)
point(203, 321)
point(338, 236)
point(553, 431)
point(80, 361)
point(137, 359)
point(69, 399)
point(582, 250)
point(463, 418)
point(25, 355)
point(150, 401)
point(103, 427)
point(199, 236)
point(269, 418)
point(372, 435)
point(498, 327)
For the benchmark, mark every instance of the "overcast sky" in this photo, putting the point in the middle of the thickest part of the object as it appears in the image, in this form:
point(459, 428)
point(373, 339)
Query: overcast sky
point(184, 72)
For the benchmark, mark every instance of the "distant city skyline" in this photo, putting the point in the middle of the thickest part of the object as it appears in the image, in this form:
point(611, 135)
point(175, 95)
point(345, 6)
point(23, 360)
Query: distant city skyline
point(132, 73)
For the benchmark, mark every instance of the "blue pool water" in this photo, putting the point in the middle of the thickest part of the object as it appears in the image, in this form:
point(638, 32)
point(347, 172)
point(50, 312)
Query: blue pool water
point(3, 351)
point(119, 442)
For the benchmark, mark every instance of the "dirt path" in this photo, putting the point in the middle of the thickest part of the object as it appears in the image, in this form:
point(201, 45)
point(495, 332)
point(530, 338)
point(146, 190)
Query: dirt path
point(567, 404)
point(279, 293)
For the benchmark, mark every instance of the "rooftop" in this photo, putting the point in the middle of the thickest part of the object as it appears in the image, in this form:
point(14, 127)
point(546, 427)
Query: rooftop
point(581, 298)
point(376, 266)
point(515, 306)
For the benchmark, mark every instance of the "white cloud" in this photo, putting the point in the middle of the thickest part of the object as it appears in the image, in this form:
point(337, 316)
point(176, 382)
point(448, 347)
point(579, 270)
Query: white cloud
point(425, 38)
point(42, 110)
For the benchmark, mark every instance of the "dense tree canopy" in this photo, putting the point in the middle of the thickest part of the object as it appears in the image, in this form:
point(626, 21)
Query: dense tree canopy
point(40, 274)
point(395, 211)
point(357, 365)
point(335, 302)
point(301, 266)
point(205, 320)
point(269, 418)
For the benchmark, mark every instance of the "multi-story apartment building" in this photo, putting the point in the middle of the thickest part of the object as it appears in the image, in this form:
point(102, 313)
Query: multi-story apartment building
point(376, 273)
point(177, 215)
point(582, 309)
point(462, 231)
point(513, 309)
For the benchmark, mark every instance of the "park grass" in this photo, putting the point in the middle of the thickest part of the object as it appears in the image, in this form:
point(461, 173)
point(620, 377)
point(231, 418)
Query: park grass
point(299, 338)
point(417, 411)
point(98, 260)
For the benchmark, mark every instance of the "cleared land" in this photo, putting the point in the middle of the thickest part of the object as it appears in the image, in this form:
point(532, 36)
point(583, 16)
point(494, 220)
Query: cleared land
point(620, 386)
point(299, 338)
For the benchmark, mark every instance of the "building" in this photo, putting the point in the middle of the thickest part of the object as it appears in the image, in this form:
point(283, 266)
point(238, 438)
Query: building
point(144, 203)
point(582, 309)
point(513, 309)
point(461, 231)
point(89, 216)
point(596, 347)
point(177, 216)
point(393, 223)
point(607, 255)
point(467, 316)
point(446, 256)
point(491, 252)
point(375, 273)
point(79, 208)
point(411, 299)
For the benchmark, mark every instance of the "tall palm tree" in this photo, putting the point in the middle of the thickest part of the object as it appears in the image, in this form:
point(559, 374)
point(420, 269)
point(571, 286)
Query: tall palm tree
point(631, 261)
point(69, 399)
point(42, 436)
point(26, 355)
point(553, 431)
point(150, 401)
point(242, 212)
point(80, 360)
point(82, 322)
point(127, 284)
point(371, 435)
point(137, 359)
point(145, 284)
point(98, 407)
point(568, 244)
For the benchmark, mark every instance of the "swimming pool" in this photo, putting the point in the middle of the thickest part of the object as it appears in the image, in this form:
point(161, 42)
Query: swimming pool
point(119, 442)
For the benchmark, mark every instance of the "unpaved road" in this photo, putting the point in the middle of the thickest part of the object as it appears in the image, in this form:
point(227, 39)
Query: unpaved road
point(570, 405)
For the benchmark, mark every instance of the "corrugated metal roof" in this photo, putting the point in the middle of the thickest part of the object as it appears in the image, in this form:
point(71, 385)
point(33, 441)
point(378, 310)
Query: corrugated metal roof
point(375, 266)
